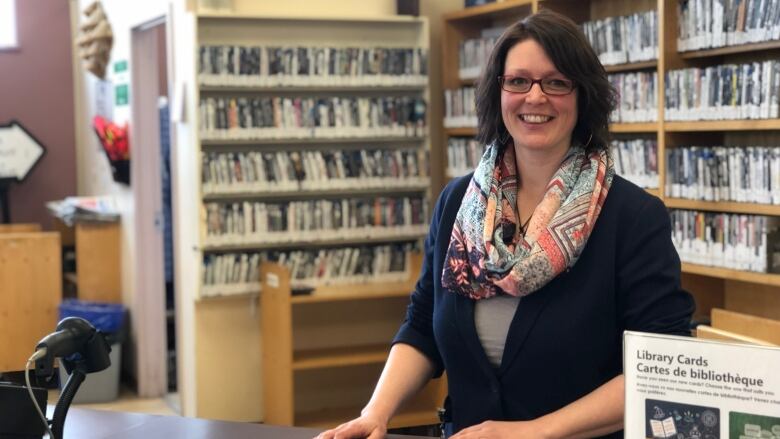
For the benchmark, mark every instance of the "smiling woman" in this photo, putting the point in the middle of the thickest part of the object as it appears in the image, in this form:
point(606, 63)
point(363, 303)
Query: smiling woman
point(8, 24)
point(537, 261)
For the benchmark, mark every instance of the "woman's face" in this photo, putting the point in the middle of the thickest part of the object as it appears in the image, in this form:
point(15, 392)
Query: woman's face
point(538, 122)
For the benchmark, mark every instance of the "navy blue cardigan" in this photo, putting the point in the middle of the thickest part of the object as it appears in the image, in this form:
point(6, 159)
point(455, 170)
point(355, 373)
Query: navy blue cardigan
point(565, 340)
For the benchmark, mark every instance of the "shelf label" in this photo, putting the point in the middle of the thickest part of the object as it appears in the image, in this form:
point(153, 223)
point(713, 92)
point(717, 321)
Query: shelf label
point(272, 280)
point(699, 388)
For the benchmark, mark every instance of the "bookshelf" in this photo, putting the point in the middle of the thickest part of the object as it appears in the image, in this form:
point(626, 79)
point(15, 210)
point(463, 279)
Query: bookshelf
point(291, 116)
point(712, 286)
point(324, 350)
point(329, 96)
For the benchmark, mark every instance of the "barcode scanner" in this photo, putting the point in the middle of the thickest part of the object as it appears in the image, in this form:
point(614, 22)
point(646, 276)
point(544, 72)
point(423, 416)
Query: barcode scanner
point(78, 343)
point(82, 349)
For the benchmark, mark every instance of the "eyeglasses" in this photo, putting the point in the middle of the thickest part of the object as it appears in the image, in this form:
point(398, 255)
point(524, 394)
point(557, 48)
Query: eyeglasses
point(550, 86)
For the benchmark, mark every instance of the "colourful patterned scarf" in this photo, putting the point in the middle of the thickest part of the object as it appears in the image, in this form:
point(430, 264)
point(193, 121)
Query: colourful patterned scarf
point(489, 254)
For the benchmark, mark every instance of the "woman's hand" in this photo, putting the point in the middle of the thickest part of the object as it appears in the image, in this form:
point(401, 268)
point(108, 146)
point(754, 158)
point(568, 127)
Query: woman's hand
point(366, 426)
point(502, 430)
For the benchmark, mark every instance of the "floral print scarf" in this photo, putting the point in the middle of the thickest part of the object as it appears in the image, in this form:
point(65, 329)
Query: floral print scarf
point(490, 253)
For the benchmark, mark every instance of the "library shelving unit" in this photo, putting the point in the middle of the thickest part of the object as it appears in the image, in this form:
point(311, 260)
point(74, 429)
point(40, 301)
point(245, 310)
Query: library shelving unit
point(742, 291)
point(714, 287)
point(467, 24)
point(226, 320)
point(323, 351)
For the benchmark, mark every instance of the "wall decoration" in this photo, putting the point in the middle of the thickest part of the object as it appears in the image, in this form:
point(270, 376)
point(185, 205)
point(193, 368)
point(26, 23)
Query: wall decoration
point(95, 40)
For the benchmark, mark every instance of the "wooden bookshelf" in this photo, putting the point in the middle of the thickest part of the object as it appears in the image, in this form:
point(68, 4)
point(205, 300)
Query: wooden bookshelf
point(301, 338)
point(464, 131)
point(734, 275)
point(339, 141)
point(629, 67)
point(229, 326)
point(323, 242)
point(723, 206)
point(643, 127)
point(311, 193)
point(492, 11)
point(731, 50)
point(340, 357)
point(708, 284)
point(314, 88)
point(368, 291)
point(723, 125)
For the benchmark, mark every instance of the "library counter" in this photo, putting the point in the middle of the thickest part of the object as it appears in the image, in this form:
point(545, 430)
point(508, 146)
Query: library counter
point(101, 424)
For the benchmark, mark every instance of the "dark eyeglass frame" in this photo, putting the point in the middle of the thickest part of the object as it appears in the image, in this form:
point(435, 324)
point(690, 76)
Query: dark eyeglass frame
point(503, 78)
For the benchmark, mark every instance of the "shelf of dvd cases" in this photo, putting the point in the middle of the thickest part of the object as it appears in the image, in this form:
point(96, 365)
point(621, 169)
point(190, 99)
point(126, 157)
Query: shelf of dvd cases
point(220, 143)
point(305, 133)
point(312, 88)
point(351, 187)
point(383, 286)
point(723, 206)
point(736, 275)
point(723, 125)
point(256, 87)
point(230, 290)
point(274, 241)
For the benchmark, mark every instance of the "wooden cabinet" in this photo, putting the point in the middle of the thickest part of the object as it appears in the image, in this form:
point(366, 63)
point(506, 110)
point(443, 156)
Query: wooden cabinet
point(30, 292)
point(323, 351)
point(95, 247)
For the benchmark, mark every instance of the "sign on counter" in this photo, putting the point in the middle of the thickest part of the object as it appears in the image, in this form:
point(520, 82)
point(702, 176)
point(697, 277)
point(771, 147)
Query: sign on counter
point(689, 388)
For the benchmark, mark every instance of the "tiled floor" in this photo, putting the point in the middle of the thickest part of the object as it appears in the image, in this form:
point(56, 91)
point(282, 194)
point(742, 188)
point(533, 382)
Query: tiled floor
point(128, 401)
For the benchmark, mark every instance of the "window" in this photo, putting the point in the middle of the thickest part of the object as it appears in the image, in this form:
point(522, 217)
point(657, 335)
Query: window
point(8, 24)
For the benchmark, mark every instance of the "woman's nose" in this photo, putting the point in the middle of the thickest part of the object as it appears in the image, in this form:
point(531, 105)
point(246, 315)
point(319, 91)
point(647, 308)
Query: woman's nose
point(535, 94)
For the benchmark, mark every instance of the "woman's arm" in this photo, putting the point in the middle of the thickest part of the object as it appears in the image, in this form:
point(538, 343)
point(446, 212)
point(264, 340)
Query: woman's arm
point(595, 414)
point(406, 372)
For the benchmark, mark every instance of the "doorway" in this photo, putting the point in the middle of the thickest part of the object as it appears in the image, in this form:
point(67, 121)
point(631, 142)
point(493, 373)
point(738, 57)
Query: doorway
point(153, 298)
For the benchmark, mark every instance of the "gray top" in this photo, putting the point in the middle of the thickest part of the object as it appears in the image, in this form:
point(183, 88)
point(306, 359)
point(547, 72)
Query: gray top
point(492, 318)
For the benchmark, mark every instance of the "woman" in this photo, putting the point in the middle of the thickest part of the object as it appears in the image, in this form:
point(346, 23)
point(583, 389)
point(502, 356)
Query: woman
point(526, 318)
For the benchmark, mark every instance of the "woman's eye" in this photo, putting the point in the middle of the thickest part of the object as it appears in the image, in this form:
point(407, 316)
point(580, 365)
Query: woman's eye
point(557, 83)
point(518, 81)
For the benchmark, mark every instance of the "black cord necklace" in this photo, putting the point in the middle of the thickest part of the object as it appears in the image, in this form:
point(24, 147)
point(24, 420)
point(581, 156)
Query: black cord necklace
point(524, 226)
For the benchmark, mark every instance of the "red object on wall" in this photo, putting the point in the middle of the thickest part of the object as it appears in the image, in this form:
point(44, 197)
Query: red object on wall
point(113, 138)
point(116, 145)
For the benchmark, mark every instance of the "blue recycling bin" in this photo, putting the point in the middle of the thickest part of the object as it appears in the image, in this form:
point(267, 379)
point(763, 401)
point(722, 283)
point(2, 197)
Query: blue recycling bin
point(108, 318)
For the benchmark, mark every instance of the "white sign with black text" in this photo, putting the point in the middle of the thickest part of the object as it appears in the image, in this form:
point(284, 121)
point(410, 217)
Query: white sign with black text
point(689, 388)
point(19, 151)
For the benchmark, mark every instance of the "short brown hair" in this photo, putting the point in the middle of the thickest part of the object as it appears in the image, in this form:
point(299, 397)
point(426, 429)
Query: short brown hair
point(569, 50)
